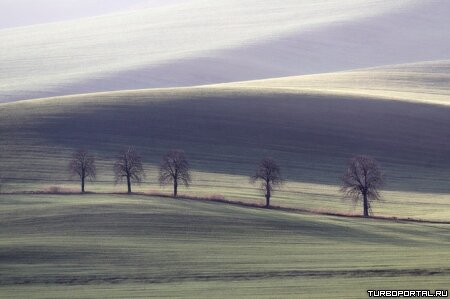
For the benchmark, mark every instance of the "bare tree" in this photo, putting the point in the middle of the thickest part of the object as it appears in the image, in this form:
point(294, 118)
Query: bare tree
point(268, 172)
point(129, 166)
point(362, 181)
point(83, 166)
point(174, 168)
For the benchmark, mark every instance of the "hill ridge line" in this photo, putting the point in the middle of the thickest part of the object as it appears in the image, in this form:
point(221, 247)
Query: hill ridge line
point(237, 203)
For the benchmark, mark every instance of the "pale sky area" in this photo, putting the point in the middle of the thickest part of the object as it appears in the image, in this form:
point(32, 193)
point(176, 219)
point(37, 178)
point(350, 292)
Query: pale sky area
point(14, 13)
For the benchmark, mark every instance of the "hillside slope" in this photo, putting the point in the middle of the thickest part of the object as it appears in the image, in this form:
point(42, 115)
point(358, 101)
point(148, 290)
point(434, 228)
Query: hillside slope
point(226, 130)
point(200, 42)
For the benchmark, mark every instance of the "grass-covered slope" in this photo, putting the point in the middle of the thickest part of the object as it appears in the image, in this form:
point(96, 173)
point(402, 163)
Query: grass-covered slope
point(194, 42)
point(427, 82)
point(225, 131)
point(97, 246)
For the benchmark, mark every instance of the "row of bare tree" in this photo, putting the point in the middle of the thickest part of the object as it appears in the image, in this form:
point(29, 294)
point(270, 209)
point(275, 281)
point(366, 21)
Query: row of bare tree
point(174, 168)
point(361, 182)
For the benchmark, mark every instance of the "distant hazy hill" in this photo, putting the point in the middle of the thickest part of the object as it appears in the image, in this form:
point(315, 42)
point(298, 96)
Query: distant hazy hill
point(199, 42)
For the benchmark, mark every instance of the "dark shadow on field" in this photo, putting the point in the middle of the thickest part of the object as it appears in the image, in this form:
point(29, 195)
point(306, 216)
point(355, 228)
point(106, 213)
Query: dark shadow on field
point(228, 132)
point(99, 279)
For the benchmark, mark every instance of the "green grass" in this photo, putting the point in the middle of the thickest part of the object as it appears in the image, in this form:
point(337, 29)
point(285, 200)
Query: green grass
point(225, 131)
point(116, 246)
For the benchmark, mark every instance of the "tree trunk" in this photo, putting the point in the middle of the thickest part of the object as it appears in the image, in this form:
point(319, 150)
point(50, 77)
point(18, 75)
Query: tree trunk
point(267, 197)
point(82, 180)
point(175, 188)
point(366, 205)
point(129, 184)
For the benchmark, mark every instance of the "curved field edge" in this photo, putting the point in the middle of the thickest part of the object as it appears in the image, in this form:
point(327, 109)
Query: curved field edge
point(420, 82)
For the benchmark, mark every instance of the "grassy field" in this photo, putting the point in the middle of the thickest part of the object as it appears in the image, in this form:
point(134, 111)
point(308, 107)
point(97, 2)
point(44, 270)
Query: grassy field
point(225, 131)
point(215, 241)
point(116, 246)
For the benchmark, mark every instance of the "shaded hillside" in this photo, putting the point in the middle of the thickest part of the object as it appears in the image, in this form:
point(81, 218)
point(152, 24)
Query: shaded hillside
point(227, 130)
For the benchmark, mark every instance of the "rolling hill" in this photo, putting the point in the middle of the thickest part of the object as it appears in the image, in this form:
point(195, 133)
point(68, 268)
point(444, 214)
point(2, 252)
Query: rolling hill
point(118, 246)
point(170, 46)
point(226, 129)
point(308, 83)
